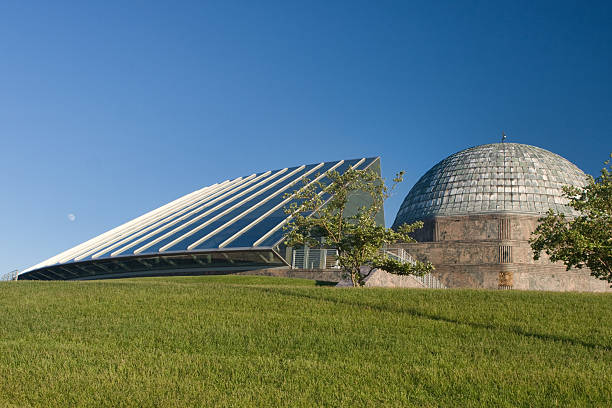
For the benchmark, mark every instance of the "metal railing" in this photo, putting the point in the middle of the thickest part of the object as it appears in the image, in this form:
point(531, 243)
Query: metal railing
point(400, 254)
point(314, 258)
point(427, 280)
point(9, 276)
point(324, 258)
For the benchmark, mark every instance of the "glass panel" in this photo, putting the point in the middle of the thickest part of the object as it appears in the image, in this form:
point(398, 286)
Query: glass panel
point(262, 228)
point(229, 200)
point(134, 232)
point(274, 219)
point(256, 231)
point(128, 238)
point(276, 193)
point(233, 213)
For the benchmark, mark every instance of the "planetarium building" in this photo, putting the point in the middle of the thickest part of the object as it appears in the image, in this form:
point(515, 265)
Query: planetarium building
point(232, 226)
point(479, 207)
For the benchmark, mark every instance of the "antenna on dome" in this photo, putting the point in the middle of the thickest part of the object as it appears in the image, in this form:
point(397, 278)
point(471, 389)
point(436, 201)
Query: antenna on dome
point(503, 137)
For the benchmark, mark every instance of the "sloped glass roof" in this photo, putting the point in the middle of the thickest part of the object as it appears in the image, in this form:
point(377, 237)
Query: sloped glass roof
point(499, 177)
point(243, 213)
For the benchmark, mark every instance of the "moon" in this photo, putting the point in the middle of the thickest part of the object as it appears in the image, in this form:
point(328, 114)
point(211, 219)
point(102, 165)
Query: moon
point(71, 217)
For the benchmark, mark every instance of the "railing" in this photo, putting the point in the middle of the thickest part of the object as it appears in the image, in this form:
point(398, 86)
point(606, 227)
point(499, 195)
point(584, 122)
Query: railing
point(400, 254)
point(323, 258)
point(427, 280)
point(9, 276)
point(314, 258)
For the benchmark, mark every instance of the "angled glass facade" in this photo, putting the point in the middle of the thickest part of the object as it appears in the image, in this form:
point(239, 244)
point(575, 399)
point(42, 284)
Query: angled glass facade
point(233, 225)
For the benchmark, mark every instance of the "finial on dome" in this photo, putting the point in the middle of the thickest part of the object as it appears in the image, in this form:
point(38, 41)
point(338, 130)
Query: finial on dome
point(503, 137)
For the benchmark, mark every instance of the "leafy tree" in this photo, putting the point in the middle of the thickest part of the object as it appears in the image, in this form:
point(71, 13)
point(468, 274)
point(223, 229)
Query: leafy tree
point(320, 216)
point(584, 241)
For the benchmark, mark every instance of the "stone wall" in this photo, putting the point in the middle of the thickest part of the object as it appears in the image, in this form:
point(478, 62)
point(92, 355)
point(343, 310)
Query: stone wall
point(324, 275)
point(492, 251)
point(489, 251)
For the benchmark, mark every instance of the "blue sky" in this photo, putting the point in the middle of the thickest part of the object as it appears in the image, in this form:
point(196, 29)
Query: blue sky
point(109, 110)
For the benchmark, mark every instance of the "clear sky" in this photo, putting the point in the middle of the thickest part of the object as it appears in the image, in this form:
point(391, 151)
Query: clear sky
point(110, 109)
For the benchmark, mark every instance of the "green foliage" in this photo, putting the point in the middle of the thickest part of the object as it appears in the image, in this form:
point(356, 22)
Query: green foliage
point(585, 241)
point(241, 341)
point(320, 216)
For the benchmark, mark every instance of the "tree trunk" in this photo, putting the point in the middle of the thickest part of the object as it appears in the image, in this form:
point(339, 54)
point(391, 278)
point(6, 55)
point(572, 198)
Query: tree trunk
point(355, 277)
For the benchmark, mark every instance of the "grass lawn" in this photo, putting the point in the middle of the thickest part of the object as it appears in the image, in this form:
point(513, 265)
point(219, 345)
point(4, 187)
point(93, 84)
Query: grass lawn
point(257, 341)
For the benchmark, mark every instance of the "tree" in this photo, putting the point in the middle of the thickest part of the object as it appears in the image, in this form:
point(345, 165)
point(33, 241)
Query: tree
point(320, 216)
point(584, 241)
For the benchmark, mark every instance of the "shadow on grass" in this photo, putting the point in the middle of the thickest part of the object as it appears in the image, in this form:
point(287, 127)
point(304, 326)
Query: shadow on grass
point(423, 315)
point(325, 283)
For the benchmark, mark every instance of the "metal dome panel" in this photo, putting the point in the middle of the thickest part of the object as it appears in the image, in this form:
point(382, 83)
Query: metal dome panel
point(492, 178)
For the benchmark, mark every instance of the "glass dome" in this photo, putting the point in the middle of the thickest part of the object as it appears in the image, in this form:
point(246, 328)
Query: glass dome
point(492, 178)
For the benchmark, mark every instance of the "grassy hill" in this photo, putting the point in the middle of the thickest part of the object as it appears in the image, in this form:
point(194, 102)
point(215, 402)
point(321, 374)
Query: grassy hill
point(256, 341)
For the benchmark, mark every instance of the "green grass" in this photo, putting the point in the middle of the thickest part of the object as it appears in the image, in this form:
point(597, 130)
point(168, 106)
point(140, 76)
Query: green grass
point(256, 341)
